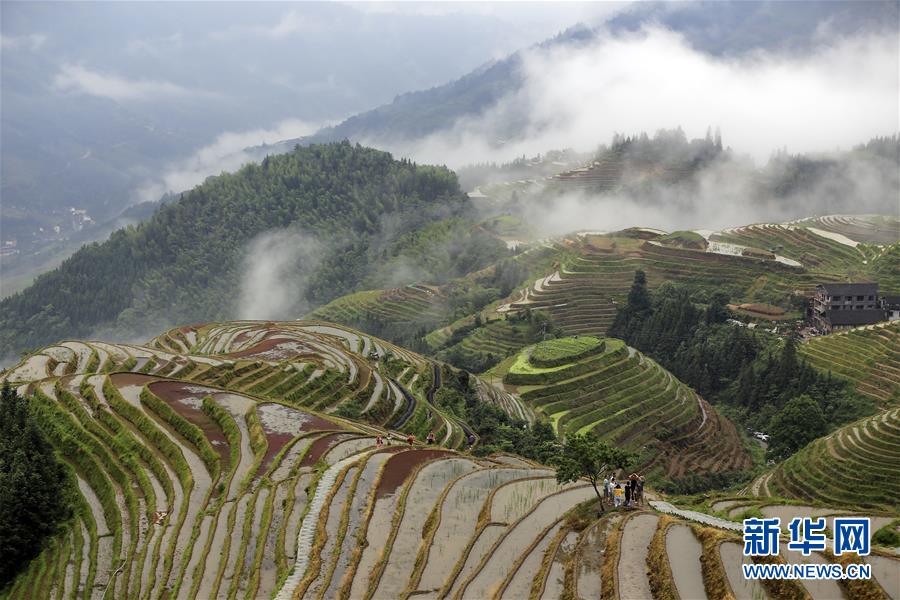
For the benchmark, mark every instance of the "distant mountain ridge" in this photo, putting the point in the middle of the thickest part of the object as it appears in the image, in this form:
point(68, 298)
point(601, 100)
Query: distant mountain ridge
point(716, 28)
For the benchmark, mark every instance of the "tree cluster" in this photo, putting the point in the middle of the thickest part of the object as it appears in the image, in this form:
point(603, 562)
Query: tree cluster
point(757, 376)
point(496, 430)
point(35, 488)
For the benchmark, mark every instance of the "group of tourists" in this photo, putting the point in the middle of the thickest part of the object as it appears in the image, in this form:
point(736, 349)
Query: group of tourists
point(628, 494)
point(410, 439)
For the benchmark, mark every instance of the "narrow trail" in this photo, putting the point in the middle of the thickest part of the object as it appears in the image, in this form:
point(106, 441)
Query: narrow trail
point(408, 410)
point(693, 515)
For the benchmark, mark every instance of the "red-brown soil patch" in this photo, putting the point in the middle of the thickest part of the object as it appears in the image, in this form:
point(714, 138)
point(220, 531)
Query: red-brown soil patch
point(186, 399)
point(320, 447)
point(398, 468)
point(282, 424)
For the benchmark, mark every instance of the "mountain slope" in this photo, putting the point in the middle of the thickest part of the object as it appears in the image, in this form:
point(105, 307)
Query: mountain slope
point(337, 211)
point(853, 466)
point(602, 387)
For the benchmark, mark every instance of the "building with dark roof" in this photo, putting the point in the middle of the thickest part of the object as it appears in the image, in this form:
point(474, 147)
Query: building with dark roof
point(844, 305)
point(891, 306)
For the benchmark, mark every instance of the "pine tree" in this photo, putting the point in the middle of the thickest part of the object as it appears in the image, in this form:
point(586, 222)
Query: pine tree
point(35, 489)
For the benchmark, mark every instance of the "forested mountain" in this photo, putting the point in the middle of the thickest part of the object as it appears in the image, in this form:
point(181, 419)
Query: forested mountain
point(343, 211)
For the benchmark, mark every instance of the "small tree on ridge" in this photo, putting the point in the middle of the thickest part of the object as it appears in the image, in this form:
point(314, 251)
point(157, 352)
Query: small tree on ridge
point(582, 456)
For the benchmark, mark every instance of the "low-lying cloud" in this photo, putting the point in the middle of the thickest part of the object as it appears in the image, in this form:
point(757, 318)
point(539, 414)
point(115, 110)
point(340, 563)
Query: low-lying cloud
point(727, 193)
point(76, 78)
point(31, 41)
point(228, 152)
point(840, 94)
point(276, 268)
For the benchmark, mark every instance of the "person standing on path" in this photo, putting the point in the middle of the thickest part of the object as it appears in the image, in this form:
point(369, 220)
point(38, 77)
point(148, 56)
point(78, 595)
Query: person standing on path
point(606, 490)
point(617, 495)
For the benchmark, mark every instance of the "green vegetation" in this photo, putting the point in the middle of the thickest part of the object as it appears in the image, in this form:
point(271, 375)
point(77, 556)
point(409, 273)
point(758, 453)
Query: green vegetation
point(631, 402)
point(246, 533)
point(684, 239)
point(754, 375)
point(582, 456)
point(185, 263)
point(866, 357)
point(552, 353)
point(435, 318)
point(496, 429)
point(799, 422)
point(36, 489)
point(594, 272)
point(855, 466)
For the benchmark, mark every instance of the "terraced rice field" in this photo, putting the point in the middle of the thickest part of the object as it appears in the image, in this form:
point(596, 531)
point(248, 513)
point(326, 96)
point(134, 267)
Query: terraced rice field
point(418, 305)
point(867, 229)
point(815, 252)
point(620, 395)
point(869, 357)
point(193, 454)
point(193, 485)
point(857, 466)
point(320, 366)
point(496, 338)
point(581, 294)
point(212, 462)
point(645, 555)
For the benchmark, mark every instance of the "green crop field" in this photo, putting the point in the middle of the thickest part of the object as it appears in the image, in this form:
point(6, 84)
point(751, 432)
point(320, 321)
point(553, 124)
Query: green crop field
point(561, 351)
point(618, 394)
point(869, 357)
point(595, 273)
point(212, 462)
point(856, 466)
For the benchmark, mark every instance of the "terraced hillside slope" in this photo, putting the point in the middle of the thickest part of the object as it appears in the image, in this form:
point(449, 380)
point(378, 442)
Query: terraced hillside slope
point(867, 229)
point(857, 465)
point(713, 538)
point(212, 462)
point(868, 356)
point(426, 315)
point(597, 385)
point(194, 454)
point(759, 263)
point(411, 307)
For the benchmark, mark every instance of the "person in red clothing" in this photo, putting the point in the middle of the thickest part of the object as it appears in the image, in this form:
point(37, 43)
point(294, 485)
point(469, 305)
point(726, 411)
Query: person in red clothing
point(410, 439)
point(378, 441)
